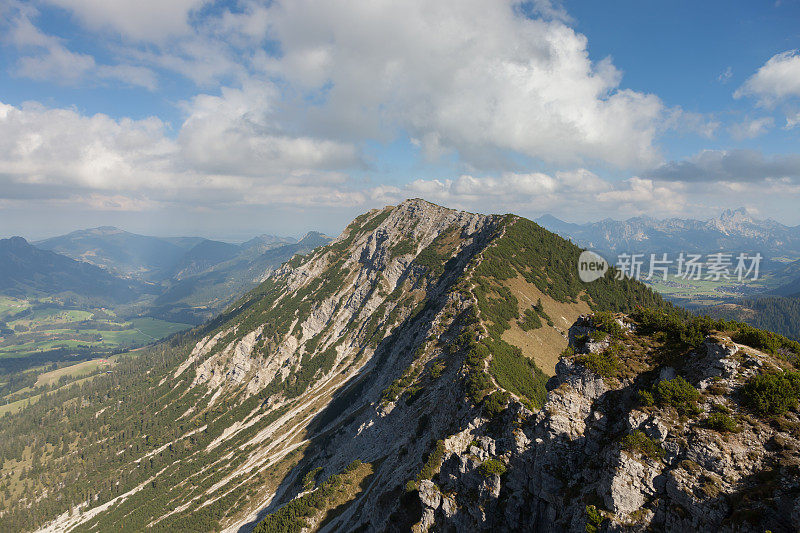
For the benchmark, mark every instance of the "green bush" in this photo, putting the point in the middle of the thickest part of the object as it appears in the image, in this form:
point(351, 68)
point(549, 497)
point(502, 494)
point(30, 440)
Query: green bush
point(492, 466)
point(639, 442)
point(530, 320)
point(677, 325)
point(593, 519)
point(496, 402)
point(604, 364)
point(309, 480)
point(433, 462)
point(607, 323)
point(772, 394)
point(678, 393)
point(517, 374)
point(646, 398)
point(722, 423)
point(765, 340)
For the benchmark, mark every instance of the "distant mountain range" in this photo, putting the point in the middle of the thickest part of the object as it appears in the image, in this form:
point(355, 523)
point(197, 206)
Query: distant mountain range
point(223, 273)
point(733, 230)
point(151, 258)
point(28, 271)
point(181, 279)
point(774, 306)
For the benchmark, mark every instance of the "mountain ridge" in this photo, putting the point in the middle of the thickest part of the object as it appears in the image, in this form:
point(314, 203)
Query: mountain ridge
point(394, 379)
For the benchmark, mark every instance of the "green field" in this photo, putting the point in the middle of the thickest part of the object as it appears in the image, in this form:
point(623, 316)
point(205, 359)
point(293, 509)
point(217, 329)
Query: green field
point(704, 292)
point(10, 306)
point(41, 327)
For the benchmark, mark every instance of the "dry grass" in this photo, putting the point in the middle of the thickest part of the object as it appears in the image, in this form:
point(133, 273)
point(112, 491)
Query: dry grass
point(544, 344)
point(80, 369)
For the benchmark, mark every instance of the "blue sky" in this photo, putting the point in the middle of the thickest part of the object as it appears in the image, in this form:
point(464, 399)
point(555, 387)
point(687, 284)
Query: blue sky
point(228, 119)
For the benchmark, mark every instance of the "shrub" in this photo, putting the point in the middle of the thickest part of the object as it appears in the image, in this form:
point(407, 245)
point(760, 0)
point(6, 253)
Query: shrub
point(603, 364)
point(354, 465)
point(433, 462)
point(530, 320)
point(593, 519)
point(676, 326)
point(607, 323)
point(765, 340)
point(309, 480)
point(492, 466)
point(598, 335)
point(722, 423)
point(638, 441)
point(678, 393)
point(517, 374)
point(496, 402)
point(436, 369)
point(772, 394)
point(646, 398)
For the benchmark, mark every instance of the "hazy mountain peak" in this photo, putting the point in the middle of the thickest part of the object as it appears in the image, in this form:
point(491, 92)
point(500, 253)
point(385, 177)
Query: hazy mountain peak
point(738, 215)
point(14, 242)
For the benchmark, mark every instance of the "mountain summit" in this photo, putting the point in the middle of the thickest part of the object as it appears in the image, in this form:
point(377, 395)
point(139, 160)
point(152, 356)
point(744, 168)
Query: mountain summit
point(429, 369)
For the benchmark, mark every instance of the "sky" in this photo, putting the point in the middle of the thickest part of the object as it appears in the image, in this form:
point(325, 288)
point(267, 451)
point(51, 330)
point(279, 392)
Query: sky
point(236, 118)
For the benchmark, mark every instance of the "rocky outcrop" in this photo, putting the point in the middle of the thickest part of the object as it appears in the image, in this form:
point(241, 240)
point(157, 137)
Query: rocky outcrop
point(570, 455)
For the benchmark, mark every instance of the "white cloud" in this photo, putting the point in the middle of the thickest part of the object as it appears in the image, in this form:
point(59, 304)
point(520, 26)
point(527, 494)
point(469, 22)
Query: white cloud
point(472, 76)
point(726, 75)
point(578, 192)
point(237, 133)
point(223, 154)
point(778, 79)
point(53, 61)
point(145, 20)
point(750, 129)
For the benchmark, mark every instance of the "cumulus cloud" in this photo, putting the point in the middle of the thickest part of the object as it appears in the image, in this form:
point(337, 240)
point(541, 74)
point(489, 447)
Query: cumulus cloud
point(236, 133)
point(792, 120)
point(490, 88)
point(729, 166)
point(236, 158)
point(777, 80)
point(472, 77)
